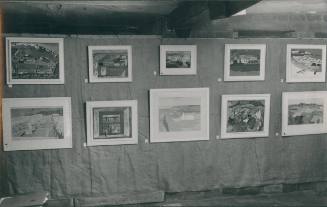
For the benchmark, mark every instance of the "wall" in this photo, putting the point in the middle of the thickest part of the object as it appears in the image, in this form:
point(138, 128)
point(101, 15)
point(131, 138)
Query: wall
point(172, 167)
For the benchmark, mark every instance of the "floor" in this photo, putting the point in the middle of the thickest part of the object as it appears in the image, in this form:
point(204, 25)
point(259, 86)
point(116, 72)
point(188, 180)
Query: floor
point(299, 198)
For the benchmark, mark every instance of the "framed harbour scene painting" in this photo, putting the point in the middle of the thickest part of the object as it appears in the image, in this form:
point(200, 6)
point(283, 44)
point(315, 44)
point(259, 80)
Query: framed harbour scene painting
point(244, 62)
point(35, 60)
point(37, 123)
point(305, 63)
point(111, 122)
point(180, 114)
point(110, 63)
point(245, 115)
point(178, 59)
point(304, 113)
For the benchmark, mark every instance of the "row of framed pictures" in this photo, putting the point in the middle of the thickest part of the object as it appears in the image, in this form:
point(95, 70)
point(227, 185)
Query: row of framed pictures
point(41, 61)
point(180, 114)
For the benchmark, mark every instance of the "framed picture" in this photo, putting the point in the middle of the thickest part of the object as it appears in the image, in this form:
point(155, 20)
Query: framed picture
point(110, 63)
point(244, 62)
point(178, 60)
point(304, 113)
point(37, 123)
point(111, 122)
point(305, 63)
point(35, 60)
point(180, 114)
point(245, 115)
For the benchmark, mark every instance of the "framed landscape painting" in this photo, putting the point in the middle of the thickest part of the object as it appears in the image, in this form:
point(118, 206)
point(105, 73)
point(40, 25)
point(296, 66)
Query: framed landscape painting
point(178, 59)
point(180, 114)
point(244, 62)
point(305, 63)
point(245, 115)
point(35, 60)
point(37, 123)
point(304, 113)
point(110, 63)
point(111, 122)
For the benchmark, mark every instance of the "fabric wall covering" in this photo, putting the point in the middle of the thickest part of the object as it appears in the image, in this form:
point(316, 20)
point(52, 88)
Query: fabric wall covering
point(171, 167)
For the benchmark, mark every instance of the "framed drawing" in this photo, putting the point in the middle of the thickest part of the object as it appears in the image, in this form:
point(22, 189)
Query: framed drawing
point(111, 122)
point(178, 59)
point(305, 63)
point(180, 114)
point(304, 113)
point(35, 60)
point(244, 62)
point(110, 63)
point(37, 123)
point(245, 115)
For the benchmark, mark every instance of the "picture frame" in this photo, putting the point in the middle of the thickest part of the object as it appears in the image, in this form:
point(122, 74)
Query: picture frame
point(112, 122)
point(35, 60)
point(179, 114)
point(304, 113)
point(37, 123)
point(178, 59)
point(305, 63)
point(110, 63)
point(245, 115)
point(244, 62)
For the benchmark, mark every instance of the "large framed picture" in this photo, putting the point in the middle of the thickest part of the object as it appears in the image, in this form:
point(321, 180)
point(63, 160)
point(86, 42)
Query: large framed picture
point(304, 113)
point(244, 62)
point(111, 122)
point(305, 63)
point(178, 59)
point(110, 63)
point(35, 60)
point(180, 114)
point(245, 115)
point(37, 123)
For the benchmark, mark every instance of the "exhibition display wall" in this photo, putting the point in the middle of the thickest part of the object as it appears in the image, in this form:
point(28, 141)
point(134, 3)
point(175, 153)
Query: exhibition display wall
point(173, 166)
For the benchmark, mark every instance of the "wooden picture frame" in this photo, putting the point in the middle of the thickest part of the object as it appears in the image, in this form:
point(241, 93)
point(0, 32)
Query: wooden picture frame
point(244, 62)
point(111, 63)
point(245, 115)
point(35, 60)
point(37, 123)
point(178, 59)
point(112, 122)
point(304, 113)
point(305, 63)
point(179, 114)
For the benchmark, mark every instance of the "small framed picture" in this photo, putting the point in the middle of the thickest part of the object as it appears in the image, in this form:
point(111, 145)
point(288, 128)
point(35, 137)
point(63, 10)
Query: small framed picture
point(180, 114)
point(244, 62)
point(35, 60)
point(37, 123)
point(245, 115)
point(110, 63)
point(304, 113)
point(111, 122)
point(305, 63)
point(178, 60)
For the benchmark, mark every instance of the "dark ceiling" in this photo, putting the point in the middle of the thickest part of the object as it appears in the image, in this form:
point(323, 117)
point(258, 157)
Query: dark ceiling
point(159, 17)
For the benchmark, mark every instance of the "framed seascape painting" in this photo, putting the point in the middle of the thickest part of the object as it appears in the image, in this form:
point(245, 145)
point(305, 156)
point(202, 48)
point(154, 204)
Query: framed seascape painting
point(110, 63)
point(304, 113)
point(180, 114)
point(244, 62)
point(305, 63)
point(178, 59)
point(245, 115)
point(35, 60)
point(37, 123)
point(111, 122)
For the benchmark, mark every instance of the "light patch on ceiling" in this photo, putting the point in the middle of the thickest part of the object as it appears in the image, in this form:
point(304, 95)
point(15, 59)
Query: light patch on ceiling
point(240, 13)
